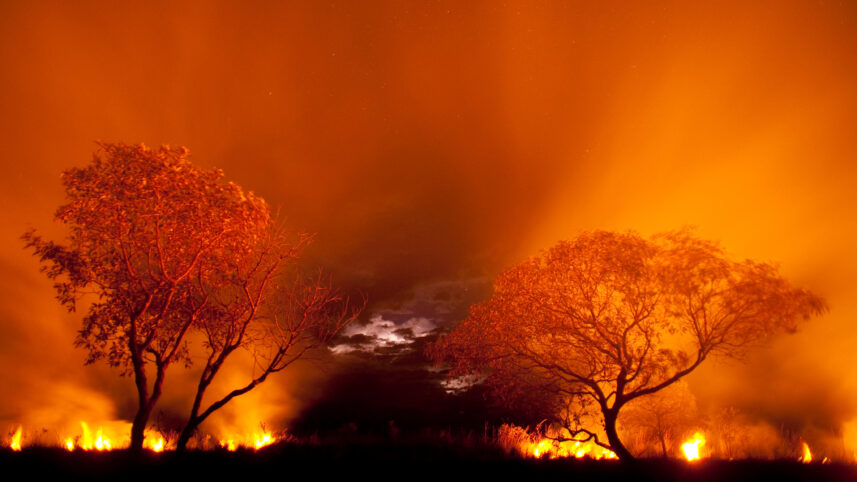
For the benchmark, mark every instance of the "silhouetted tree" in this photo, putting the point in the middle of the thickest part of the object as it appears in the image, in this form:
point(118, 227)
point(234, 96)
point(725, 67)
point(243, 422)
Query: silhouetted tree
point(277, 323)
point(607, 318)
point(165, 248)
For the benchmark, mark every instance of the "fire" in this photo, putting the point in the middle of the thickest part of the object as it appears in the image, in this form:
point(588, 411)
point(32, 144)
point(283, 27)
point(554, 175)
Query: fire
point(155, 442)
point(807, 455)
point(550, 445)
point(100, 443)
point(114, 435)
point(15, 443)
point(264, 440)
point(547, 447)
point(691, 447)
point(158, 446)
point(544, 446)
point(256, 442)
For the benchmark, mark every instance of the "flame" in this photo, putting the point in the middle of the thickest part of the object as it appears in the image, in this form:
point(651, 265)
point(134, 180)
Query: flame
point(544, 446)
point(158, 446)
point(101, 442)
point(256, 442)
point(114, 435)
point(807, 455)
point(547, 447)
point(15, 443)
point(264, 440)
point(155, 442)
point(691, 447)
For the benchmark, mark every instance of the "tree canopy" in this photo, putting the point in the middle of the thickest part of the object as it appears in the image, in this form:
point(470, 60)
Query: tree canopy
point(609, 317)
point(167, 248)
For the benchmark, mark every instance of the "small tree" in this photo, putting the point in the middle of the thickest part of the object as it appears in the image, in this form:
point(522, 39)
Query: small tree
point(155, 239)
point(661, 418)
point(278, 324)
point(607, 318)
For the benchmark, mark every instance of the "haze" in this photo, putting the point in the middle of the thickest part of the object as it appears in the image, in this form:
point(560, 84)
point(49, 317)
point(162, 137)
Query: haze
point(432, 144)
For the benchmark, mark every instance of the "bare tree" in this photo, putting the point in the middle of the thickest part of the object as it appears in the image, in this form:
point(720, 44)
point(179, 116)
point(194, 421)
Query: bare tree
point(608, 317)
point(278, 324)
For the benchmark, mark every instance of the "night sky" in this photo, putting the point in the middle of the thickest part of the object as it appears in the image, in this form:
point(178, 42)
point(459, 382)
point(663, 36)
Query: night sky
point(432, 144)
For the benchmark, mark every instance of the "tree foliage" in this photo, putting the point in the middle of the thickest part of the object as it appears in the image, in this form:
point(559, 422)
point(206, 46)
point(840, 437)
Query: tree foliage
point(166, 248)
point(609, 317)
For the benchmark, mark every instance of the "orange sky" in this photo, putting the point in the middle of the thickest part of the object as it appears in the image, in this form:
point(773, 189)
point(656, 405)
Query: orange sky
point(432, 142)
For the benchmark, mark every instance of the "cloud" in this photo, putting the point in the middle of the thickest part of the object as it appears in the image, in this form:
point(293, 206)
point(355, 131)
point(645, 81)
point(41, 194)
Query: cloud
point(381, 333)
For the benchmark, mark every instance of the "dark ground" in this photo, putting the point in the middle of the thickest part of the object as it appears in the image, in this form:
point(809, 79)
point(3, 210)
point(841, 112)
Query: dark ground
point(387, 462)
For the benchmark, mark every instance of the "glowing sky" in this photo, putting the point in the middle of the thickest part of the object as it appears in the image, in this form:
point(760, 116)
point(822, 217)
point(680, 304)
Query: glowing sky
point(432, 144)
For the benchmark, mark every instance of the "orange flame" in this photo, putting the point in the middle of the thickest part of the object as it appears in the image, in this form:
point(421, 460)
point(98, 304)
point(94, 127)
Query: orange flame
point(544, 446)
point(158, 446)
point(264, 440)
point(101, 443)
point(15, 443)
point(155, 442)
point(691, 447)
point(256, 442)
point(547, 447)
point(113, 436)
point(807, 455)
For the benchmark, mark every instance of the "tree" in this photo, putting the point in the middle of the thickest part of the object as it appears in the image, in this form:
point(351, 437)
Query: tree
point(608, 317)
point(158, 242)
point(279, 324)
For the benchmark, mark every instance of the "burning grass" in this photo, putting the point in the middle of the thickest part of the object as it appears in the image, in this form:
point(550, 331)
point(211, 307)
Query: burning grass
point(443, 455)
point(505, 452)
point(110, 436)
point(509, 440)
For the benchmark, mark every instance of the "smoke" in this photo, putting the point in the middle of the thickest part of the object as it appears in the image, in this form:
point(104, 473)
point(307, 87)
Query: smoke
point(430, 143)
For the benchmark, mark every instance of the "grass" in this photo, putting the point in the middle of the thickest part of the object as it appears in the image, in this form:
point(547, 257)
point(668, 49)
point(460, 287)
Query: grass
point(386, 460)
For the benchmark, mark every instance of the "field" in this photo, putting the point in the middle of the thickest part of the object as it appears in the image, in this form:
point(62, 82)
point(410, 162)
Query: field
point(387, 461)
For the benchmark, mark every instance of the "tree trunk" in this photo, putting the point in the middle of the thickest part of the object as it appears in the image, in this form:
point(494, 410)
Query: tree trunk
point(146, 404)
point(613, 436)
point(138, 428)
point(187, 433)
point(194, 420)
point(144, 408)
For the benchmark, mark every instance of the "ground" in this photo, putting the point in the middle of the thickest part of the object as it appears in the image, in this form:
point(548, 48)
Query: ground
point(392, 461)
